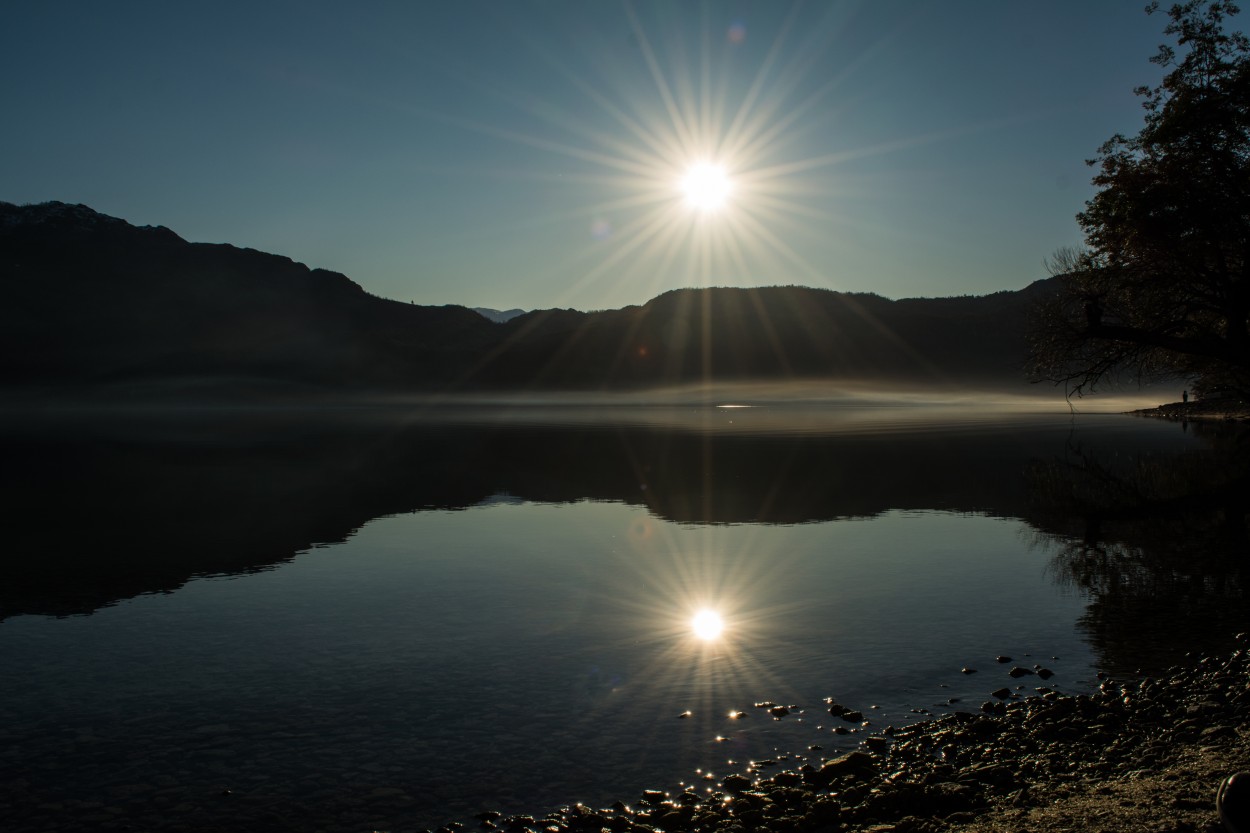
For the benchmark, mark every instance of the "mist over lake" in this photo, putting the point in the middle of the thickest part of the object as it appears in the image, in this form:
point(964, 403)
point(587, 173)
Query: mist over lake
point(396, 618)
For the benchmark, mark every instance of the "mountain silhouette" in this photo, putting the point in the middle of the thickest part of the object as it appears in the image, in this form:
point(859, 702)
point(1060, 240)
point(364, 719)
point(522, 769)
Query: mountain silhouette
point(94, 300)
point(498, 316)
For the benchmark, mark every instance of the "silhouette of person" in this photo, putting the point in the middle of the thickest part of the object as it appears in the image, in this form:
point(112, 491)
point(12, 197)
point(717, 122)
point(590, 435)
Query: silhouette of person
point(1185, 396)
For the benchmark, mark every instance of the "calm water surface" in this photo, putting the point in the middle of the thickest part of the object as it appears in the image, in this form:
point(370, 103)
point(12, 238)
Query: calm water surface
point(394, 624)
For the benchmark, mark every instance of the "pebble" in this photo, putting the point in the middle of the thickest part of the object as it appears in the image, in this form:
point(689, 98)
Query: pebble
point(916, 778)
point(928, 776)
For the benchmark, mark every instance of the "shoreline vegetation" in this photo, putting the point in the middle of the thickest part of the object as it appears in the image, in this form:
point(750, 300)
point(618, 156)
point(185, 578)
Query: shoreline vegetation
point(1136, 755)
point(1210, 410)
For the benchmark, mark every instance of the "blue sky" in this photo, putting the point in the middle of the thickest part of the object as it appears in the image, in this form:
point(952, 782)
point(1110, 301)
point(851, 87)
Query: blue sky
point(530, 154)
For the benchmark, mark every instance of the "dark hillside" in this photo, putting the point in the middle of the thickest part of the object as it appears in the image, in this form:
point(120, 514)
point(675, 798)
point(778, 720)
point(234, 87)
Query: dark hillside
point(91, 299)
point(769, 333)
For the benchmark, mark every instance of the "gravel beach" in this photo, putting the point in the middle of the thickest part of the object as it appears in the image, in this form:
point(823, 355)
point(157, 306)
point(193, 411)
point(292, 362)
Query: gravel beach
point(1145, 754)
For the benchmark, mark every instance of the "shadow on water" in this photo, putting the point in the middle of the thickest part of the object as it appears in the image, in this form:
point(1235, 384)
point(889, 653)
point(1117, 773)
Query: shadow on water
point(1158, 543)
point(111, 508)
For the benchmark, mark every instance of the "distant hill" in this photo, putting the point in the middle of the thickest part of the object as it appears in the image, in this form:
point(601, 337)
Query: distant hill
point(498, 316)
point(91, 299)
point(771, 333)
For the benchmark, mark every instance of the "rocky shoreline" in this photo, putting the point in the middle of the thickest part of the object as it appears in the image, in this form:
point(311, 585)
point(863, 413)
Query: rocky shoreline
point(1145, 754)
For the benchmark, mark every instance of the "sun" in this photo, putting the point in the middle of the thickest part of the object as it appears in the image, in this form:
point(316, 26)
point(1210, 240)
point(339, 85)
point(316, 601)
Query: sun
point(707, 625)
point(707, 186)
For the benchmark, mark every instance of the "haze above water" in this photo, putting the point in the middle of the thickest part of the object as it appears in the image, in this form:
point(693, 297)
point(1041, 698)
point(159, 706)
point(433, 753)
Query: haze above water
point(390, 618)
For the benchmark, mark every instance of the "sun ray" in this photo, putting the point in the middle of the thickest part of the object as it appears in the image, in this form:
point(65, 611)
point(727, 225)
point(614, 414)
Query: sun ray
point(657, 76)
point(675, 109)
point(765, 202)
point(758, 230)
point(706, 121)
point(757, 85)
point(664, 223)
point(789, 78)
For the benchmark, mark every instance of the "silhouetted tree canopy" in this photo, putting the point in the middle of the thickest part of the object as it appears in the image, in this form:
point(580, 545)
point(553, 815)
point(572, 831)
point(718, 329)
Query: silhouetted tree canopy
point(1161, 288)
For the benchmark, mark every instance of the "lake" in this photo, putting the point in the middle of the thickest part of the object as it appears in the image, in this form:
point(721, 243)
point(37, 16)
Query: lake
point(357, 619)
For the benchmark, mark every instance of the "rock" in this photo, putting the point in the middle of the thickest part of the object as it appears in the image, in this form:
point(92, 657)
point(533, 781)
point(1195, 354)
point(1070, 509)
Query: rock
point(1045, 673)
point(1022, 753)
point(779, 711)
point(851, 765)
point(1002, 659)
point(1001, 693)
point(1232, 801)
point(967, 670)
point(788, 779)
point(947, 797)
point(825, 811)
point(1017, 672)
point(853, 717)
point(1216, 732)
point(993, 774)
point(685, 714)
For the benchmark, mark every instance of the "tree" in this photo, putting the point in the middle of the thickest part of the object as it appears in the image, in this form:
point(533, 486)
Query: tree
point(1161, 288)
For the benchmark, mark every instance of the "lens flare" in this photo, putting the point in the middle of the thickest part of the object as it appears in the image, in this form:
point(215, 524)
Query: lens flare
point(707, 624)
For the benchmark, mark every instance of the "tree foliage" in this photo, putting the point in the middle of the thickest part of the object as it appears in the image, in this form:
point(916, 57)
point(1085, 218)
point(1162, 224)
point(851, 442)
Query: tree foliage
point(1161, 289)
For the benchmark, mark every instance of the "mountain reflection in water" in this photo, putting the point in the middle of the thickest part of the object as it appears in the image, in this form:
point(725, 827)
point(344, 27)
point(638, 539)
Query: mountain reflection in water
point(110, 508)
point(517, 623)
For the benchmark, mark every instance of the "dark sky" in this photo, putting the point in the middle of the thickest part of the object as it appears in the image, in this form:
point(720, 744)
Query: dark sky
point(531, 153)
